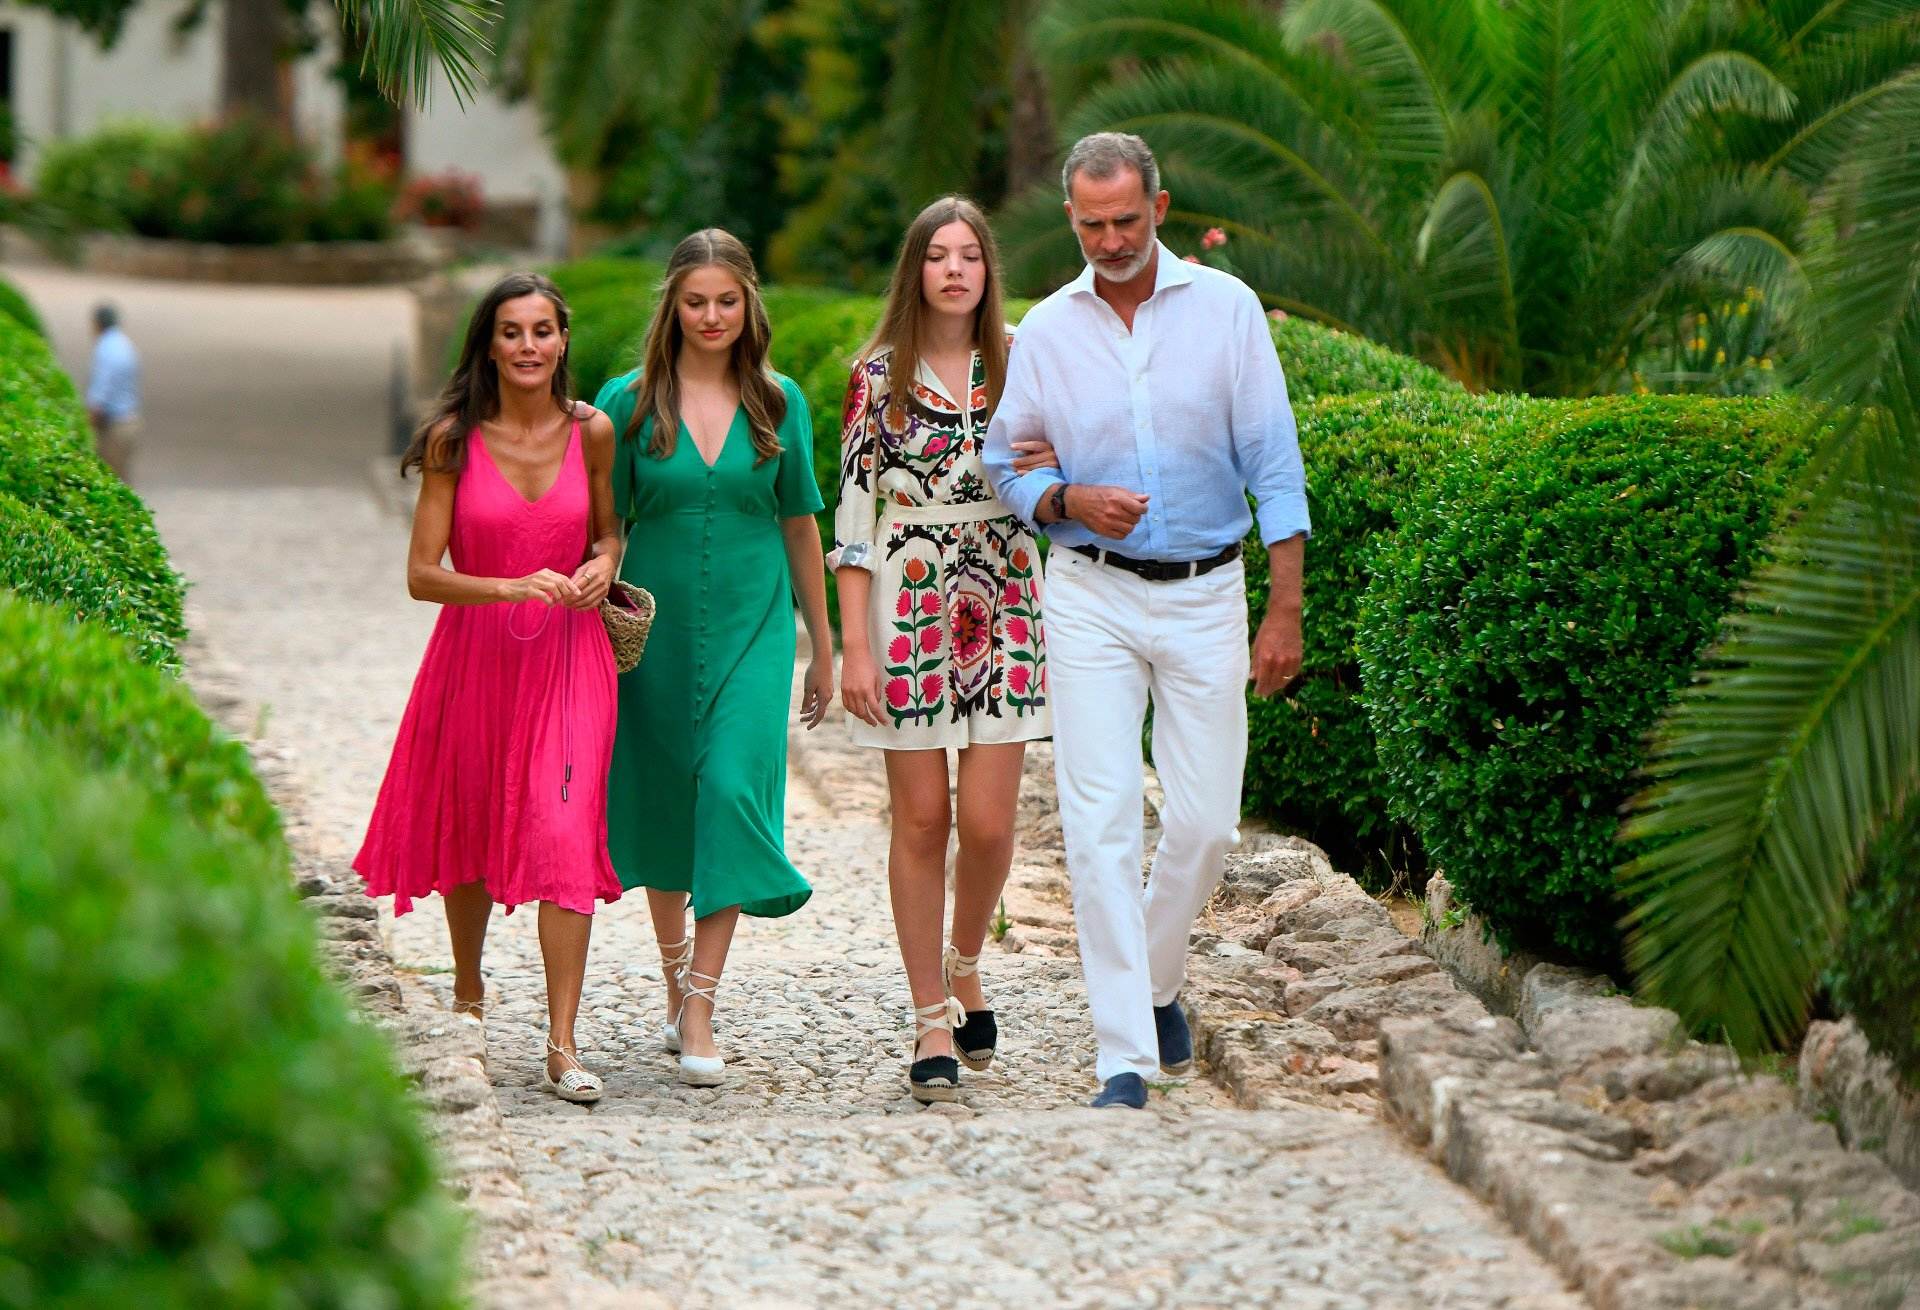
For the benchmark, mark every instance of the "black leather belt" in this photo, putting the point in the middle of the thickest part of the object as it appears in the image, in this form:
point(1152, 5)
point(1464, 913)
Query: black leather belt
point(1156, 570)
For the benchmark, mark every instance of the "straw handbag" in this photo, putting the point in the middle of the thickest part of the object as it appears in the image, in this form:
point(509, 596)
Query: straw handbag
point(627, 613)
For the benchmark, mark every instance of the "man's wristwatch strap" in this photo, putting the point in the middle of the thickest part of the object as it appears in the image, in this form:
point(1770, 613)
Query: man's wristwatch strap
point(1058, 499)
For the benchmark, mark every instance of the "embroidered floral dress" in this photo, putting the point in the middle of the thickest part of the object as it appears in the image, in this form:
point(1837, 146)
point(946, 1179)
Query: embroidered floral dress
point(955, 612)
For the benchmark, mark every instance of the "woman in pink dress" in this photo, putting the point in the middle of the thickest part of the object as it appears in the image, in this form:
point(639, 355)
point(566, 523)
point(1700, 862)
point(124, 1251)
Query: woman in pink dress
point(497, 787)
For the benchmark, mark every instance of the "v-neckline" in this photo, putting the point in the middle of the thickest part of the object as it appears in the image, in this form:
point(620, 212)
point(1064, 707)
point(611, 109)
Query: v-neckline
point(725, 438)
point(940, 384)
point(573, 430)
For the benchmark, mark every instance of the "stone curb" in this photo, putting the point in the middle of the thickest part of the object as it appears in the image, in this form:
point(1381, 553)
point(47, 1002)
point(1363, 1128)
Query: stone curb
point(1649, 1169)
point(1843, 1076)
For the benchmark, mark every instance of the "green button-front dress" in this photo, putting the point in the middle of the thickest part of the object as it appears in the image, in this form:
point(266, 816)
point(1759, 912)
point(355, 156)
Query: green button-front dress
point(696, 799)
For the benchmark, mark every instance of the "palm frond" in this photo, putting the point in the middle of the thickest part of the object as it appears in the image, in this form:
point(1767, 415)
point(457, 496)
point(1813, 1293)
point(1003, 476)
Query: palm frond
point(407, 39)
point(1713, 83)
point(1403, 71)
point(943, 56)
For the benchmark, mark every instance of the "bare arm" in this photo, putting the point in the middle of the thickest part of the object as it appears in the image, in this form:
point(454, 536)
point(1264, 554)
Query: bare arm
point(859, 674)
point(806, 563)
point(1276, 647)
point(429, 579)
point(595, 575)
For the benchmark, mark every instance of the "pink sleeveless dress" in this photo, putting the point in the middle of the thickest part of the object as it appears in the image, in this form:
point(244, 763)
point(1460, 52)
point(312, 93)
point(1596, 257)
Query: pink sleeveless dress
point(499, 773)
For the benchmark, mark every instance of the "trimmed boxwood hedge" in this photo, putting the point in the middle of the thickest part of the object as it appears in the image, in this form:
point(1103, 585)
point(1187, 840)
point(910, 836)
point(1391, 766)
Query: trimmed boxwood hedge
point(40, 560)
point(80, 687)
point(1322, 361)
point(1544, 598)
point(46, 461)
point(190, 1114)
point(1310, 756)
point(15, 306)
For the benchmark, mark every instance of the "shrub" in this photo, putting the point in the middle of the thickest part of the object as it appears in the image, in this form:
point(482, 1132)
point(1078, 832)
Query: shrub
point(448, 199)
point(15, 306)
point(1323, 361)
point(190, 1116)
point(1875, 976)
point(359, 204)
point(40, 560)
point(241, 182)
point(46, 462)
point(82, 688)
point(1545, 596)
point(1310, 756)
point(106, 182)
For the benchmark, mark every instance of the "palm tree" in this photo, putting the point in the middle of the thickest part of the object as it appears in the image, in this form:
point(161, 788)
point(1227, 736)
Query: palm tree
point(1526, 193)
point(406, 39)
point(1777, 776)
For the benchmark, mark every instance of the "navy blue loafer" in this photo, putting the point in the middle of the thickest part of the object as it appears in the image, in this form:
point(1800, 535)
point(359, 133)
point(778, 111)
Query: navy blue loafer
point(1176, 1042)
point(1123, 1090)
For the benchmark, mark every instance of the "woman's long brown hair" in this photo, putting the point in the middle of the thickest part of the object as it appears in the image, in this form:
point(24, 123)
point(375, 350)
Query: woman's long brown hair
point(472, 394)
point(903, 325)
point(659, 386)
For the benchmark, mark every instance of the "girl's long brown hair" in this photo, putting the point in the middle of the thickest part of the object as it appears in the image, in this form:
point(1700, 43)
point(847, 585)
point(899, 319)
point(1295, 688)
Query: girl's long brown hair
point(659, 385)
point(472, 394)
point(903, 325)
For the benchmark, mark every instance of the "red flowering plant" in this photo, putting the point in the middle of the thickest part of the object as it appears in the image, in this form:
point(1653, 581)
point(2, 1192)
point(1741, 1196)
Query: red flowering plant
point(1025, 683)
point(915, 687)
point(449, 199)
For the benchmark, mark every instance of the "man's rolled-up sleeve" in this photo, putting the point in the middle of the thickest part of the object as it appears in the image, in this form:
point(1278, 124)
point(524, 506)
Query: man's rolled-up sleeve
point(1266, 443)
point(1018, 417)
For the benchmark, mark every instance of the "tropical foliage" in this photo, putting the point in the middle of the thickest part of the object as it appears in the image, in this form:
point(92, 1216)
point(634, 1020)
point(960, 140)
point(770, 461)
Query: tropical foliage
point(1536, 196)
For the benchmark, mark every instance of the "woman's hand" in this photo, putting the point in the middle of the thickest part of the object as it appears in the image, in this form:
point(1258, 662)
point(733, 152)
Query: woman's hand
point(546, 585)
point(593, 580)
point(860, 687)
point(1031, 455)
point(817, 692)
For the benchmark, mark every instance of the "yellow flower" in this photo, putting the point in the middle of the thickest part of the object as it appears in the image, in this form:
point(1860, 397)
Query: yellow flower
point(1698, 343)
point(1719, 357)
point(1766, 363)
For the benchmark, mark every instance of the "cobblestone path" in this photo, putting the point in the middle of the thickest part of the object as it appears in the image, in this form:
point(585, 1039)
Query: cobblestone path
point(810, 1178)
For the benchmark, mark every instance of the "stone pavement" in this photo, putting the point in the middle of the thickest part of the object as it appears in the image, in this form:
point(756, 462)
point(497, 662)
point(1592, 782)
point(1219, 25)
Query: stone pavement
point(810, 1177)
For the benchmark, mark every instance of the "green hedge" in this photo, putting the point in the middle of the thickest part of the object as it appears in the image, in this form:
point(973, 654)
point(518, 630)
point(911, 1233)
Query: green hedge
point(1310, 757)
point(190, 1115)
point(1544, 598)
point(81, 687)
point(1322, 361)
point(15, 305)
point(46, 461)
point(40, 560)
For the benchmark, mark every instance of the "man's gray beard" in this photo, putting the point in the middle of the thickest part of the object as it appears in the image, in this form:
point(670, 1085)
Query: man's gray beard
point(1140, 261)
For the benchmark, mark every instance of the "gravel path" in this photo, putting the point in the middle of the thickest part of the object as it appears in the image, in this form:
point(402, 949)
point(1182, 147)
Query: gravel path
point(810, 1178)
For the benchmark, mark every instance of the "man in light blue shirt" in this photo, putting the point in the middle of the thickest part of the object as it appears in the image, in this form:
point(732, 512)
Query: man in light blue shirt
point(113, 391)
point(1156, 385)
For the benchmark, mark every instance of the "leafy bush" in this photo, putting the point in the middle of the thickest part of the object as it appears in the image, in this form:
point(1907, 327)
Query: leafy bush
point(1875, 976)
point(1323, 361)
point(237, 182)
point(46, 462)
point(449, 199)
point(1310, 756)
point(40, 560)
point(15, 306)
point(1544, 598)
point(76, 685)
point(191, 1115)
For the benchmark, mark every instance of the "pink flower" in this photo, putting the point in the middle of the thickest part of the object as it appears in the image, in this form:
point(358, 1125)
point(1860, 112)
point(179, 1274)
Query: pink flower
point(1017, 678)
point(1191, 259)
point(929, 603)
point(1277, 315)
point(930, 687)
point(1214, 237)
point(899, 692)
point(904, 606)
point(930, 639)
point(1011, 596)
point(899, 650)
point(1017, 630)
point(937, 445)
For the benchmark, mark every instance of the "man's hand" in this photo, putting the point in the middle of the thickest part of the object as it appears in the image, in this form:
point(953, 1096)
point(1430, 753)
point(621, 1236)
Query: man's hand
point(1276, 652)
point(1110, 511)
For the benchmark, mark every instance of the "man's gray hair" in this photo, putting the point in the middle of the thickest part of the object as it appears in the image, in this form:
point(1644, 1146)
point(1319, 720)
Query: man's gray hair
point(1103, 154)
point(105, 316)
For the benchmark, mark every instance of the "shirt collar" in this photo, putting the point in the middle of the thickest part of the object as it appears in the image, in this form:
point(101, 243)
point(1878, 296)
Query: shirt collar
point(1171, 271)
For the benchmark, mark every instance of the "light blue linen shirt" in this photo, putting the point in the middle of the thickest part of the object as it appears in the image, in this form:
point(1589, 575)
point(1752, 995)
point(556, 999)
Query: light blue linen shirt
point(113, 381)
point(1189, 409)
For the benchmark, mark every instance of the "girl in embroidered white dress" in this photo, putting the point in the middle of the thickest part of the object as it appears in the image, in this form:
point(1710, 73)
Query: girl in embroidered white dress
point(940, 617)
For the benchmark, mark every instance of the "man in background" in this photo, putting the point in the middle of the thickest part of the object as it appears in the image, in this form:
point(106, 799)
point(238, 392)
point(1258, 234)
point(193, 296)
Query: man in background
point(113, 392)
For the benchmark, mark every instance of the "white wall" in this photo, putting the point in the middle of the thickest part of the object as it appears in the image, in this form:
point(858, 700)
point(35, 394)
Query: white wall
point(498, 142)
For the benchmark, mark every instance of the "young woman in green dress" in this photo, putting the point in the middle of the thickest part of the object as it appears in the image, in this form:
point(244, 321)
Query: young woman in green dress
point(713, 472)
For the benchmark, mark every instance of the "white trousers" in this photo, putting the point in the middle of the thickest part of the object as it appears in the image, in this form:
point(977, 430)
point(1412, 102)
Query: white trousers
point(1113, 639)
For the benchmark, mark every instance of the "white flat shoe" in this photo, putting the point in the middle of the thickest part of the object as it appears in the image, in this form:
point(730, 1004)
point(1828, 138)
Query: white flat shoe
point(672, 965)
point(698, 1070)
point(575, 1084)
